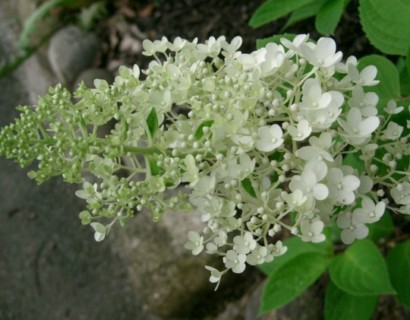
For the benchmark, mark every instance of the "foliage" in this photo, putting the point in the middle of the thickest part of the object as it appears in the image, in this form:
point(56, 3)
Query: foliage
point(360, 274)
point(385, 23)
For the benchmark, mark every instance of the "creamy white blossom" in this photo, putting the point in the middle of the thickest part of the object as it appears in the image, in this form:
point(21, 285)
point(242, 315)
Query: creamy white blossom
point(270, 138)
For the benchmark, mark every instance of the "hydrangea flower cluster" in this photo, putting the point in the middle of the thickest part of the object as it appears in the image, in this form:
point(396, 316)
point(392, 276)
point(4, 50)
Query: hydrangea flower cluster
point(287, 137)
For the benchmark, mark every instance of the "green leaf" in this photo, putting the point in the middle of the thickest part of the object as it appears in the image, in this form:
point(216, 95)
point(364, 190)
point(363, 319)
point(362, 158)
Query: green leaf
point(382, 228)
point(297, 247)
point(340, 305)
point(199, 132)
point(361, 270)
point(292, 279)
point(353, 160)
point(386, 24)
point(402, 68)
point(408, 60)
point(398, 262)
point(329, 16)
point(274, 9)
point(247, 185)
point(260, 43)
point(152, 122)
point(154, 169)
point(389, 85)
point(305, 12)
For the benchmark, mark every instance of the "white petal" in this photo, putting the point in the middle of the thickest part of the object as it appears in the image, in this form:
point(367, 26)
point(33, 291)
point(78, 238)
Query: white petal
point(368, 125)
point(347, 236)
point(320, 191)
point(361, 231)
point(350, 183)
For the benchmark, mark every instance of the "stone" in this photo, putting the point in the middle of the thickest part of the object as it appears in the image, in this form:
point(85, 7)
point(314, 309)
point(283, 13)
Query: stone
point(50, 266)
point(168, 277)
point(71, 51)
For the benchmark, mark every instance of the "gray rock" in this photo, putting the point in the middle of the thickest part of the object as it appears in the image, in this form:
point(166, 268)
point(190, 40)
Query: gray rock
point(71, 51)
point(168, 277)
point(50, 267)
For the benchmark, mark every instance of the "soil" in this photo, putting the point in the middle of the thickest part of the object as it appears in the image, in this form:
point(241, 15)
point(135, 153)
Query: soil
point(204, 18)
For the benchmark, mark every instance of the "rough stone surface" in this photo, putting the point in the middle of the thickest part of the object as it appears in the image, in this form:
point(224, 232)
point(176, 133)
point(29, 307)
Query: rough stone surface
point(170, 279)
point(71, 50)
point(50, 268)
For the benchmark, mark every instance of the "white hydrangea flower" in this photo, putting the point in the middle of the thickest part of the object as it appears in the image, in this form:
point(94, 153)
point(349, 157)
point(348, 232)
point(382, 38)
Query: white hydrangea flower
point(270, 138)
point(195, 242)
point(244, 140)
point(357, 129)
point(244, 243)
point(366, 102)
point(308, 181)
point(317, 149)
point(392, 107)
point(366, 77)
point(235, 261)
point(295, 44)
point(257, 256)
point(401, 193)
point(393, 131)
point(151, 47)
point(177, 45)
point(278, 249)
point(215, 275)
point(319, 108)
point(100, 231)
point(312, 231)
point(350, 230)
point(301, 132)
point(341, 188)
point(204, 186)
point(267, 60)
point(369, 212)
point(295, 199)
point(323, 54)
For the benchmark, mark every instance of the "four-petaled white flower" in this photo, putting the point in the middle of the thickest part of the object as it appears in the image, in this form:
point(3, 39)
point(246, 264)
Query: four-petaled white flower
point(215, 275)
point(341, 188)
point(323, 54)
point(317, 149)
point(266, 60)
point(357, 129)
point(351, 230)
point(195, 243)
point(369, 212)
point(393, 131)
point(392, 107)
point(308, 181)
point(301, 132)
point(235, 261)
point(312, 231)
point(244, 243)
point(257, 256)
point(270, 138)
